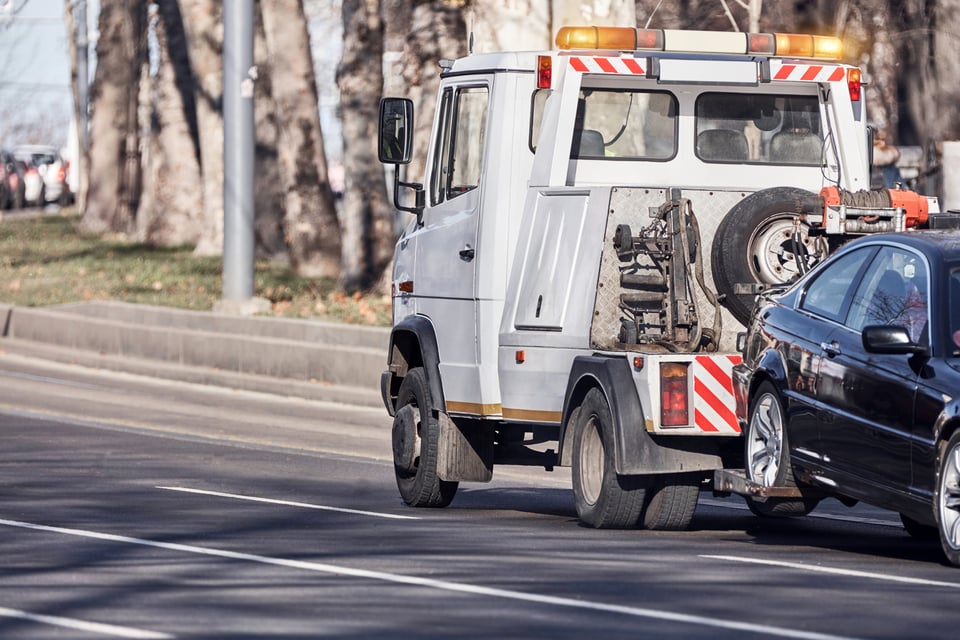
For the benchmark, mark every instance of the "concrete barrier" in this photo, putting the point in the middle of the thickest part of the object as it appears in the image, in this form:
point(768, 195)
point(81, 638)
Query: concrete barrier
point(319, 360)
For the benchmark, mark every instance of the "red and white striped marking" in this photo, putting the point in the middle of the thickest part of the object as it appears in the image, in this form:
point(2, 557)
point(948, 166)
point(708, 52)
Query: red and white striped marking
point(713, 401)
point(606, 64)
point(810, 73)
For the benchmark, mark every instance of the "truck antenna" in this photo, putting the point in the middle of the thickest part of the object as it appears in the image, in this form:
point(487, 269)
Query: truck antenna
point(652, 13)
point(470, 37)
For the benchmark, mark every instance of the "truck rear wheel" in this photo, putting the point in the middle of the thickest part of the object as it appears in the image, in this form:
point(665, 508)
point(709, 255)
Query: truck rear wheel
point(673, 501)
point(755, 245)
point(604, 499)
point(416, 442)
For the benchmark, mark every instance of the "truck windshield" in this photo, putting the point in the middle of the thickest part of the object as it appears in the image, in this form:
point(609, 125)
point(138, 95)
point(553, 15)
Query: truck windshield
point(625, 125)
point(759, 129)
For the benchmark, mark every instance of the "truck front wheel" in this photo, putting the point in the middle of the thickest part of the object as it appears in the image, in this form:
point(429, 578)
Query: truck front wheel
point(604, 499)
point(416, 442)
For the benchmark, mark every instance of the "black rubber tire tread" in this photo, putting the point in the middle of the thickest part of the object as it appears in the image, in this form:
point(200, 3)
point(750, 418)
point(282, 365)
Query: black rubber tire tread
point(672, 502)
point(776, 507)
point(424, 488)
point(730, 256)
point(952, 554)
point(621, 498)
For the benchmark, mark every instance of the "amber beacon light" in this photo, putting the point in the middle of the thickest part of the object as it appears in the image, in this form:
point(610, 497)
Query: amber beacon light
point(787, 45)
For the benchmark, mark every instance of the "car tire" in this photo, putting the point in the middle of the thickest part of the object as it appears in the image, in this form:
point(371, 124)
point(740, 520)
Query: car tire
point(767, 456)
point(947, 499)
point(753, 245)
point(418, 479)
point(672, 502)
point(604, 499)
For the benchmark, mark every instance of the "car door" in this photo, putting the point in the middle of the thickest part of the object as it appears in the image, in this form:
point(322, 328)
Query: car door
point(823, 304)
point(868, 399)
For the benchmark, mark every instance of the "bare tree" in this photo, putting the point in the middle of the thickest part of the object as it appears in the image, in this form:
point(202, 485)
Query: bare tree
point(203, 24)
point(170, 210)
point(437, 31)
point(114, 133)
point(368, 235)
point(311, 228)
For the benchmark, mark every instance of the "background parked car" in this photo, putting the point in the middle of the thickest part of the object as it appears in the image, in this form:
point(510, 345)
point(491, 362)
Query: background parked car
point(34, 190)
point(850, 384)
point(52, 168)
point(13, 177)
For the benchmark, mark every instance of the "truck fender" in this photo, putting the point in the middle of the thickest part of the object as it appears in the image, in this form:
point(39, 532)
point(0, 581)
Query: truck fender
point(635, 451)
point(413, 343)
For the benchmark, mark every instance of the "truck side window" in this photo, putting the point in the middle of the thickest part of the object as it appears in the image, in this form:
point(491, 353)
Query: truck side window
point(625, 125)
point(458, 157)
point(744, 128)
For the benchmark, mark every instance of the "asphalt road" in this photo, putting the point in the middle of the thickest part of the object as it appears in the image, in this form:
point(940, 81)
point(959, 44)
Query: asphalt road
point(136, 508)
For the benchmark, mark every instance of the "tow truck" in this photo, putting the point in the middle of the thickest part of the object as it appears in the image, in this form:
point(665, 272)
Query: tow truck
point(592, 227)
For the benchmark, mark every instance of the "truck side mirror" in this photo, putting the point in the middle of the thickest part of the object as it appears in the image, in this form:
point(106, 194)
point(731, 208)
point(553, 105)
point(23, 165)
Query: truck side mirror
point(395, 146)
point(395, 140)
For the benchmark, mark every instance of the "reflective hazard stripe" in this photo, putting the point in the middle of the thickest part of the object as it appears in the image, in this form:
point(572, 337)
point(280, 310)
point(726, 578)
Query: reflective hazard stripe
point(714, 402)
point(809, 73)
point(606, 64)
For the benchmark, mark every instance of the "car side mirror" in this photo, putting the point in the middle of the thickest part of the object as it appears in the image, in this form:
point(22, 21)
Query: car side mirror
point(395, 139)
point(890, 339)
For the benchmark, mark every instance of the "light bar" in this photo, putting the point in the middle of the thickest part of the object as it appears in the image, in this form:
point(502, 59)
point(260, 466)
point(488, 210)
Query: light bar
point(792, 45)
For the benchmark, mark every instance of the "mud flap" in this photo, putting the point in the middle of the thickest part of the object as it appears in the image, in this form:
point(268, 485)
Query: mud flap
point(465, 453)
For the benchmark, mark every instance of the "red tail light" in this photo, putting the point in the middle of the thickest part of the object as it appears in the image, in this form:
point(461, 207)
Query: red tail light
point(674, 395)
point(544, 72)
point(853, 84)
point(61, 174)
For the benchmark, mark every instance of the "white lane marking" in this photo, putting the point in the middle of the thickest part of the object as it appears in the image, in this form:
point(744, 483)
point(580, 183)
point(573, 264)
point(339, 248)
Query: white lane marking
point(288, 503)
point(821, 516)
point(83, 625)
point(851, 573)
point(442, 585)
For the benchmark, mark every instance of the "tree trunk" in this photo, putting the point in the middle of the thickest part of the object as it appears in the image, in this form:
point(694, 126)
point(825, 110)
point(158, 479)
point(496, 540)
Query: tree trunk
point(171, 208)
point(311, 228)
point(437, 31)
point(368, 235)
point(114, 132)
point(268, 183)
point(203, 23)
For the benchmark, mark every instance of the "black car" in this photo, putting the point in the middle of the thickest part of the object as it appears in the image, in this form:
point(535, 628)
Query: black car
point(850, 381)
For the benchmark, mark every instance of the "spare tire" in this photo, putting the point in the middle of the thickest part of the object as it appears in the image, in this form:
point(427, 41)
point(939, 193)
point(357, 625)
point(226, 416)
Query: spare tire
point(754, 245)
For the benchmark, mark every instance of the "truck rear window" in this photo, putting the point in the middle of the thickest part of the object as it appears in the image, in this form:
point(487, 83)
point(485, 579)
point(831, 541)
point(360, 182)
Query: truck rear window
point(759, 129)
point(625, 125)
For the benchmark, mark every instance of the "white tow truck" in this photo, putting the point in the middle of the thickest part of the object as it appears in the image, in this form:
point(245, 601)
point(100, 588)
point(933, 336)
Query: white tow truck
point(593, 225)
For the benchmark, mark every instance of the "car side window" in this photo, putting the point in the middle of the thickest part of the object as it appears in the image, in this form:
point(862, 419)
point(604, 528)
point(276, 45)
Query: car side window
point(893, 291)
point(829, 294)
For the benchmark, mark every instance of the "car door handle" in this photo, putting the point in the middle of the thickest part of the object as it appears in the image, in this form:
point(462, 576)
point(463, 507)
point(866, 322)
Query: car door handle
point(832, 349)
point(467, 253)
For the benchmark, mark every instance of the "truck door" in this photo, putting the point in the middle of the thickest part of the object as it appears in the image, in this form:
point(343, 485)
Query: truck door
point(447, 251)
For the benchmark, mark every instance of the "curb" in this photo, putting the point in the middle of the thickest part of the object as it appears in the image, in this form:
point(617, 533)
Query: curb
point(301, 358)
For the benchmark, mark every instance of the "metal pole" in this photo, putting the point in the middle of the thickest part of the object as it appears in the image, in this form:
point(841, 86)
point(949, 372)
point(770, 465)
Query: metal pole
point(238, 149)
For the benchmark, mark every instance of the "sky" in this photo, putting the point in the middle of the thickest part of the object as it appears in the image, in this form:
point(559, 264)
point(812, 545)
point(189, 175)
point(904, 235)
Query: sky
point(35, 99)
